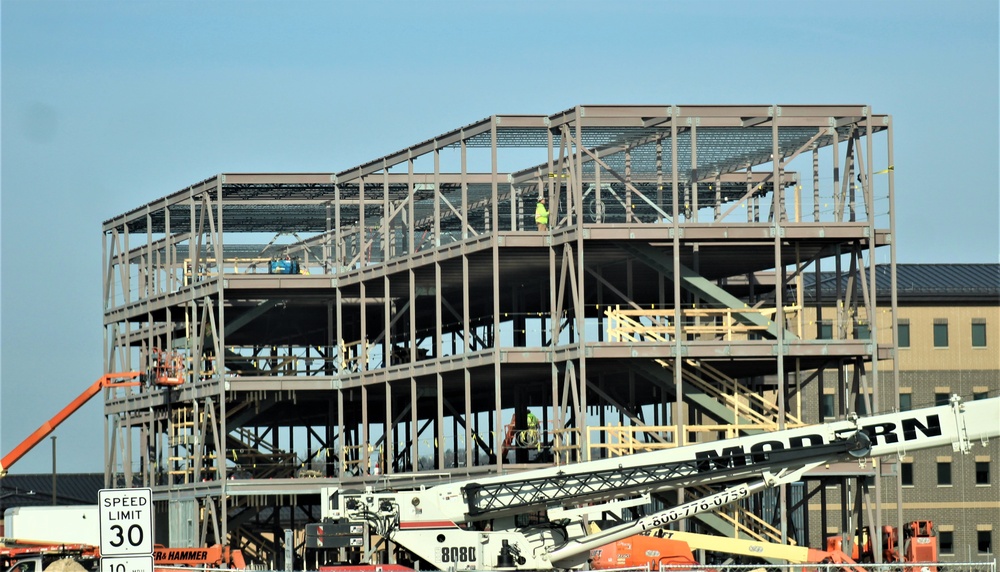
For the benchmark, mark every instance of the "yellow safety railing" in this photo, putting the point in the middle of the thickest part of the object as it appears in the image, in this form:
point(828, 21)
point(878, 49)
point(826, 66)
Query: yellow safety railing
point(658, 325)
point(620, 440)
point(636, 326)
point(745, 523)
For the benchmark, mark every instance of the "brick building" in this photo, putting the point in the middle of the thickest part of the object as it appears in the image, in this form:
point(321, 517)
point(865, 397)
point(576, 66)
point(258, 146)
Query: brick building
point(948, 342)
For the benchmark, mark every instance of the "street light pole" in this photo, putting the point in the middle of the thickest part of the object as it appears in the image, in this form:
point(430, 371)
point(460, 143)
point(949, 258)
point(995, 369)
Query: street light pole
point(53, 470)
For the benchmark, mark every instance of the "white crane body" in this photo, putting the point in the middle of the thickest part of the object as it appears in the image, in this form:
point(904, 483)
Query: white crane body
point(484, 524)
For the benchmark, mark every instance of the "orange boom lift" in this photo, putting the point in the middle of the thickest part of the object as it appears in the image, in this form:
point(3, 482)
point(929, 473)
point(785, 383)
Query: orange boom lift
point(105, 381)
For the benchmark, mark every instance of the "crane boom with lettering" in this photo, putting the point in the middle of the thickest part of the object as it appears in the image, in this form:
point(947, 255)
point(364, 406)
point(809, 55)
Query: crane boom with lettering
point(532, 520)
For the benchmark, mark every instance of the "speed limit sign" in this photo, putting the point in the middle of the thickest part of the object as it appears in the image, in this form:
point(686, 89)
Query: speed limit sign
point(127, 564)
point(126, 521)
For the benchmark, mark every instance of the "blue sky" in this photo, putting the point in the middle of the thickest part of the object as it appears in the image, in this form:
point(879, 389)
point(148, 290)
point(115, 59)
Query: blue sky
point(108, 105)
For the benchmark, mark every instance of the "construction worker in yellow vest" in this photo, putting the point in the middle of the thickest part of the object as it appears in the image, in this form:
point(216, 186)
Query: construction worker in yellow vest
point(542, 215)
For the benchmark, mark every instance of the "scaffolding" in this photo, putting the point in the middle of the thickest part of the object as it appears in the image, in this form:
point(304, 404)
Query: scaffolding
point(396, 322)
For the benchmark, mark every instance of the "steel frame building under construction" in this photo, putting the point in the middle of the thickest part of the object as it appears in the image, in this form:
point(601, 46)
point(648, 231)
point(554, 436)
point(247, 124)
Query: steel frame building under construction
point(393, 324)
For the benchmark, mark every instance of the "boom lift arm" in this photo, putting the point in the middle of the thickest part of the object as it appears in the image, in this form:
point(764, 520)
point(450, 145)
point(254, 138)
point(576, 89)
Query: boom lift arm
point(576, 552)
point(106, 380)
point(674, 546)
point(516, 521)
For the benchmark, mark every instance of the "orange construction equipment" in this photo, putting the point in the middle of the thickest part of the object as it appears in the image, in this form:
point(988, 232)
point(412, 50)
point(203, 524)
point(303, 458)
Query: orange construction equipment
point(674, 547)
point(215, 556)
point(862, 548)
point(639, 551)
point(42, 554)
point(366, 568)
point(528, 438)
point(15, 552)
point(167, 368)
point(919, 545)
point(105, 381)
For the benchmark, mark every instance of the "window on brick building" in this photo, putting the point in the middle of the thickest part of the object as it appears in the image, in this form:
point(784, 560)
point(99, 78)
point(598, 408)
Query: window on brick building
point(826, 331)
point(978, 333)
point(984, 541)
point(906, 473)
point(944, 473)
point(982, 472)
point(862, 332)
point(946, 541)
point(828, 406)
point(861, 404)
point(904, 334)
point(905, 401)
point(940, 333)
point(977, 395)
point(941, 398)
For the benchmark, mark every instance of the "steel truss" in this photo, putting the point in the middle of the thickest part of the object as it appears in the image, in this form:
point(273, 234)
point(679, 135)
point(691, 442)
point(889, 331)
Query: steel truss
point(427, 314)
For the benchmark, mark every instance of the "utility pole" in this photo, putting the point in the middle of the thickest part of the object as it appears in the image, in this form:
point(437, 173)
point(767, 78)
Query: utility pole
point(53, 470)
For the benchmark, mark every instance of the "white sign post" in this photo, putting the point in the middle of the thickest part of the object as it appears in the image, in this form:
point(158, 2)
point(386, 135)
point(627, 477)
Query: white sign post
point(126, 522)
